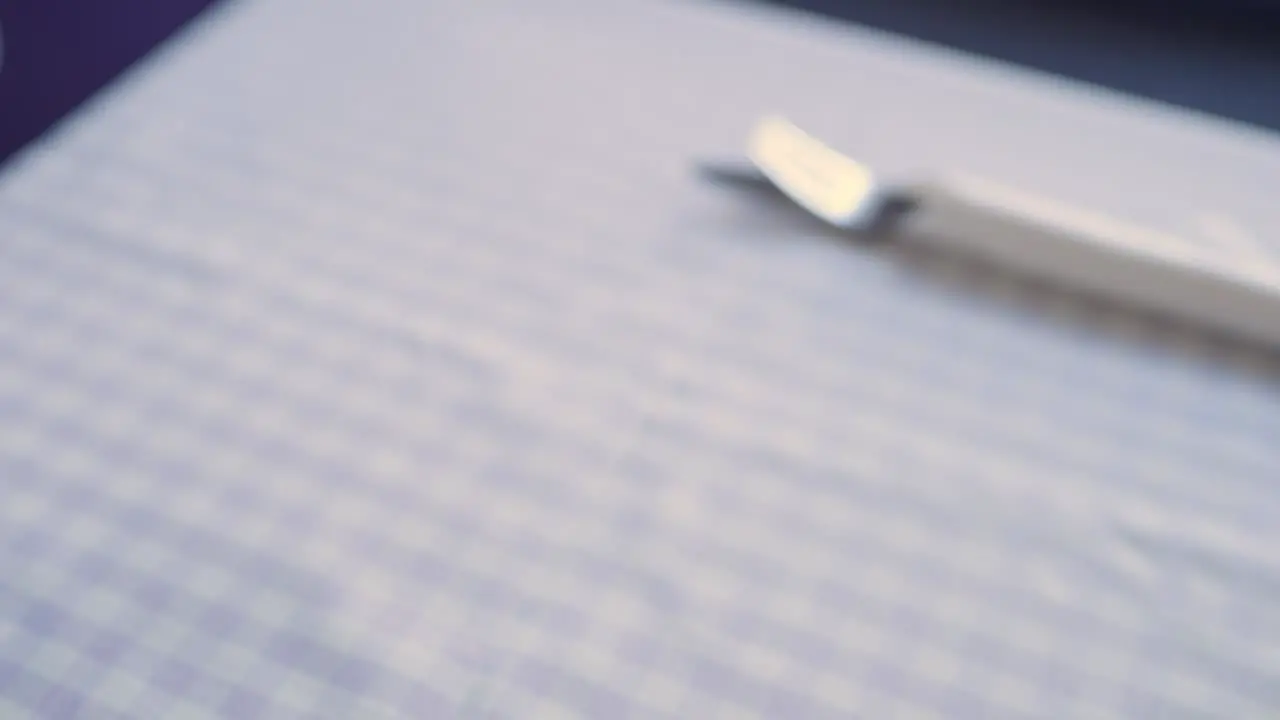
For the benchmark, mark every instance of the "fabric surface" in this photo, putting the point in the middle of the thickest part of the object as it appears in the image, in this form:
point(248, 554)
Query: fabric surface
point(389, 359)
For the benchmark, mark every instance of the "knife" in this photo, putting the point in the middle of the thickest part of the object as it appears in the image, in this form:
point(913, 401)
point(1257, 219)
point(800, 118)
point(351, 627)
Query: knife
point(1035, 236)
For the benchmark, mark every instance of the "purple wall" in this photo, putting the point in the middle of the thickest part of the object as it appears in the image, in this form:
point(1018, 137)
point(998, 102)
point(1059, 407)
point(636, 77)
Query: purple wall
point(58, 52)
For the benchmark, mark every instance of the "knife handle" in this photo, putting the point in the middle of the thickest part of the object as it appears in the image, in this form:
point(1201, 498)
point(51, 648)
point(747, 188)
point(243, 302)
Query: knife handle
point(1079, 250)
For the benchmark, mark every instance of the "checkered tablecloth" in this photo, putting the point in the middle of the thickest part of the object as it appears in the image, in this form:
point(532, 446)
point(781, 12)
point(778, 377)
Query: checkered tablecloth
point(385, 358)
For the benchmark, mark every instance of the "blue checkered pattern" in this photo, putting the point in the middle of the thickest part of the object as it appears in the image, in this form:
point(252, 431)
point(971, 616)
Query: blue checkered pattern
point(385, 359)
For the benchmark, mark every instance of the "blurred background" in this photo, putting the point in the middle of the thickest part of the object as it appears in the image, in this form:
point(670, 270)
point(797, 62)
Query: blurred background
point(1214, 56)
point(57, 54)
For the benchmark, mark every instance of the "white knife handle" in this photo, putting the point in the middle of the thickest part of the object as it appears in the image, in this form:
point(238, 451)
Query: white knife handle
point(1111, 259)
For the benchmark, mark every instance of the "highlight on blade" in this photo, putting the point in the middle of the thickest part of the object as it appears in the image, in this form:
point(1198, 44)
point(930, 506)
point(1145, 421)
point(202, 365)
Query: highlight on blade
point(836, 188)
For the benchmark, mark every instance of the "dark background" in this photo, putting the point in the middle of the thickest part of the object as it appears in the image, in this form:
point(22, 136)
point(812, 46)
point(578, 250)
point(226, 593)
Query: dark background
point(58, 52)
point(1216, 57)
